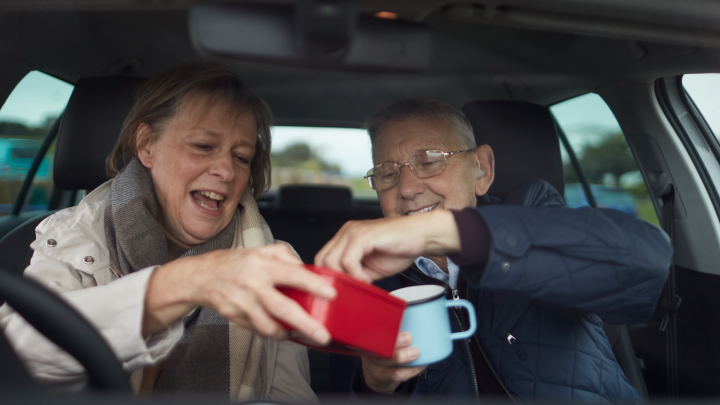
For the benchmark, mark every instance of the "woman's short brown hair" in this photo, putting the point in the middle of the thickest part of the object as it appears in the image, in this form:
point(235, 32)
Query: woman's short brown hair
point(159, 99)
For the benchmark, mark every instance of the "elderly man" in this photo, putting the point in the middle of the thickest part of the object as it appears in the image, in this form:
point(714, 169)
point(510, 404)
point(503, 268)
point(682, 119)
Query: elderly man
point(540, 275)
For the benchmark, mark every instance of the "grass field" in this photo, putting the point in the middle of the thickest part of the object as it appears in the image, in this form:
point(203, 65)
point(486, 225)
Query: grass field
point(646, 211)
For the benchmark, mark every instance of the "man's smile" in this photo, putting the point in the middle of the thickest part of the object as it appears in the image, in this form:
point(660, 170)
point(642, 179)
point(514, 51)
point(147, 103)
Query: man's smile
point(421, 210)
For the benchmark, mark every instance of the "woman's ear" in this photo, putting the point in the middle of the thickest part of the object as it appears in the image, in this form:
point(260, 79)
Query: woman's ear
point(485, 174)
point(143, 143)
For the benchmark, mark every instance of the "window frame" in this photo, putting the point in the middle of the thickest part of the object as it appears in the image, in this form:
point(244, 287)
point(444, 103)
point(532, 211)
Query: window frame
point(579, 172)
point(692, 131)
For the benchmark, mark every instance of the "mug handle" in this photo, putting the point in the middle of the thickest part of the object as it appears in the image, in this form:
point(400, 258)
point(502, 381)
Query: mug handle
point(471, 315)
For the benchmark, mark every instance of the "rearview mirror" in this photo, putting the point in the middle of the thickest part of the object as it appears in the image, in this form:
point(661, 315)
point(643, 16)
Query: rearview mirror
point(339, 39)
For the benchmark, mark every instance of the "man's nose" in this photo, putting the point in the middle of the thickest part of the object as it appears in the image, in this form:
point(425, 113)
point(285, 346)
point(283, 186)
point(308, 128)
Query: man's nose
point(408, 184)
point(222, 167)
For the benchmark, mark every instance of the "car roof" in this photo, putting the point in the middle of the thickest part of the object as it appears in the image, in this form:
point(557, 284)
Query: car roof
point(539, 51)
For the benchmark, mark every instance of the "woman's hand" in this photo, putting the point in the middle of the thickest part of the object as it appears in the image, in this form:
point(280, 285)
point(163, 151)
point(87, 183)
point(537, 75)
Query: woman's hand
point(370, 250)
point(241, 286)
point(385, 376)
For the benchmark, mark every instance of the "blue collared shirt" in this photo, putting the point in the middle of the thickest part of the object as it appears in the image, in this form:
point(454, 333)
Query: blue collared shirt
point(429, 267)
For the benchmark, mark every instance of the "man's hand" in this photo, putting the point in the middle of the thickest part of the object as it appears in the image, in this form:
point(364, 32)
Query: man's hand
point(370, 250)
point(385, 376)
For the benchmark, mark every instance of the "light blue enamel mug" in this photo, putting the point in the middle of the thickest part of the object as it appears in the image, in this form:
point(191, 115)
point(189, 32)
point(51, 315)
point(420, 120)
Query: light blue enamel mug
point(426, 318)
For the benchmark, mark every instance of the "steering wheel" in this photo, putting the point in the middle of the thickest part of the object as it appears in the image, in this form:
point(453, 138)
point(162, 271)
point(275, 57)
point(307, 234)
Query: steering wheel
point(65, 327)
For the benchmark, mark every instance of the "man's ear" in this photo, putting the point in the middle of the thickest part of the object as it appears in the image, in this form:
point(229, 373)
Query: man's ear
point(144, 142)
point(486, 160)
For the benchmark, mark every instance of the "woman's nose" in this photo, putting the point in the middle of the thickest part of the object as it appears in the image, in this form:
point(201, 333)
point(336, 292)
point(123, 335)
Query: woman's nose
point(223, 167)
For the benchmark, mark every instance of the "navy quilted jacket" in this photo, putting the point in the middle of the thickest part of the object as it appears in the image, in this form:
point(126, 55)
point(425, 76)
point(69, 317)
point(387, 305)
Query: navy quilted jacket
point(553, 275)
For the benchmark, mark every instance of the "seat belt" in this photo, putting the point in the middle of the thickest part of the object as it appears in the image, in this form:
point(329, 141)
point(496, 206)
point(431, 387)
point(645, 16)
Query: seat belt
point(671, 301)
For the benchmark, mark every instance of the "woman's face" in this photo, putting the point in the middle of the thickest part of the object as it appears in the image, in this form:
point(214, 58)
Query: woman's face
point(200, 166)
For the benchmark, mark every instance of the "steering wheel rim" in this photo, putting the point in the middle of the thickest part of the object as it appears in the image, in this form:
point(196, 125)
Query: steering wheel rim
point(65, 327)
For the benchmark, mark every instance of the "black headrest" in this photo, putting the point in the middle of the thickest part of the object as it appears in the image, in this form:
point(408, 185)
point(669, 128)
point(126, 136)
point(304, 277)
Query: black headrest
point(524, 140)
point(301, 199)
point(90, 128)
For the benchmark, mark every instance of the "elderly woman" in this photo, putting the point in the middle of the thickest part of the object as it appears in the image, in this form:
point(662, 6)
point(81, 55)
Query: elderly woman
point(183, 285)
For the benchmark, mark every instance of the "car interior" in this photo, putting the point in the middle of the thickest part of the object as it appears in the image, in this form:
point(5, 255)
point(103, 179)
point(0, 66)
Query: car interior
point(506, 63)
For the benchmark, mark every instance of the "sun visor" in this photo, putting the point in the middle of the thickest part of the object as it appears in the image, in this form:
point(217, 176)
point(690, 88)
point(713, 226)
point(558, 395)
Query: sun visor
point(310, 34)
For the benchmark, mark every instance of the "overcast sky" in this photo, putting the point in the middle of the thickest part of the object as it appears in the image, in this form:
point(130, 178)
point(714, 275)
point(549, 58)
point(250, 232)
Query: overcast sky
point(705, 92)
point(35, 98)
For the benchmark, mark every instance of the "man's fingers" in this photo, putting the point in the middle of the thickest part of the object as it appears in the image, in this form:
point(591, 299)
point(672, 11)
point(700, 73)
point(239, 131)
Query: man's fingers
point(400, 356)
point(330, 254)
point(284, 309)
point(406, 354)
point(320, 257)
point(403, 339)
point(344, 252)
point(351, 261)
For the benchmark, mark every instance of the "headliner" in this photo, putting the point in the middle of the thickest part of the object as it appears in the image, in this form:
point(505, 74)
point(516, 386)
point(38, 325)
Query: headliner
point(473, 59)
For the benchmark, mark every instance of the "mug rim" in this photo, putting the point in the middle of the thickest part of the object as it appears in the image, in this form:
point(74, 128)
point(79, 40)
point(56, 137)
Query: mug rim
point(441, 293)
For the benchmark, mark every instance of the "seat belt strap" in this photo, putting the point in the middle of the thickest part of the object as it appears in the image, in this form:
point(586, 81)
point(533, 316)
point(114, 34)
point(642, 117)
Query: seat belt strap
point(671, 301)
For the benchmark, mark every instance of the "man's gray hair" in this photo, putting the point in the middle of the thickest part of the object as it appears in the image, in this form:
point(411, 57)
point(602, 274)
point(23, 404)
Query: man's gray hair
point(424, 107)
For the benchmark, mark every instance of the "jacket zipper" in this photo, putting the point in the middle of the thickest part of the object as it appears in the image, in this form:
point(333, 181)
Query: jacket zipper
point(472, 363)
point(456, 296)
point(482, 351)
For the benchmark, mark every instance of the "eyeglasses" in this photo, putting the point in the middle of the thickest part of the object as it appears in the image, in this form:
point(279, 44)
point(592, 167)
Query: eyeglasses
point(424, 164)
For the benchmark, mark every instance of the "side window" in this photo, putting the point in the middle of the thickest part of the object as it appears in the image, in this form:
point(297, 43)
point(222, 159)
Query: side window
point(312, 155)
point(25, 120)
point(604, 156)
point(704, 89)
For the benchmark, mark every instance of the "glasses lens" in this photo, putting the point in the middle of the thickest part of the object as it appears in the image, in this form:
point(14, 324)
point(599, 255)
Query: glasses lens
point(370, 176)
point(386, 175)
point(428, 163)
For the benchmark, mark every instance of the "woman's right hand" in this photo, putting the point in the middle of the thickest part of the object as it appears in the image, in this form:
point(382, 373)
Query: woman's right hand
point(239, 284)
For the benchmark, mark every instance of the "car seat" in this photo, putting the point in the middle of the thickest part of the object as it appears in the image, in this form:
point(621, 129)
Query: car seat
point(89, 129)
point(525, 140)
point(307, 216)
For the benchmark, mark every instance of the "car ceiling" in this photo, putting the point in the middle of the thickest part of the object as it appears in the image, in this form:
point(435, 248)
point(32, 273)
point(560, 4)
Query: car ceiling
point(481, 50)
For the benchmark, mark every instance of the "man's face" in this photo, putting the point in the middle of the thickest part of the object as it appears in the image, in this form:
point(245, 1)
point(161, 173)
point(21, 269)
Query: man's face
point(454, 188)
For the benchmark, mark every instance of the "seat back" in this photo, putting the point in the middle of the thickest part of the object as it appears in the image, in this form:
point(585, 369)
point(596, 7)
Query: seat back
point(308, 216)
point(15, 250)
point(89, 129)
point(524, 139)
point(525, 142)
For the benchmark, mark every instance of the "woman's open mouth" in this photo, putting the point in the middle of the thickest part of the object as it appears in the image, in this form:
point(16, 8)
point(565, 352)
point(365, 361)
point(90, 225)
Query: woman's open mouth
point(208, 199)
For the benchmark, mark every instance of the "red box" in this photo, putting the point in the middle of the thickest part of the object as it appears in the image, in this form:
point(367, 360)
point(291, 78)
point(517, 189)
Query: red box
point(362, 319)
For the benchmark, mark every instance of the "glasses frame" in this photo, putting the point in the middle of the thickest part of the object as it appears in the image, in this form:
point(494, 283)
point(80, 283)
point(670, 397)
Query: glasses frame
point(445, 155)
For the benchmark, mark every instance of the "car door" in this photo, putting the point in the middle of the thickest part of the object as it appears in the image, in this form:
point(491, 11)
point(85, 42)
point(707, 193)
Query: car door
point(676, 154)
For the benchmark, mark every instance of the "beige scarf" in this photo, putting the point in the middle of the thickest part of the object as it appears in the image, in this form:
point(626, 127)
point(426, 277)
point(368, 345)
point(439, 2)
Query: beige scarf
point(246, 348)
point(213, 355)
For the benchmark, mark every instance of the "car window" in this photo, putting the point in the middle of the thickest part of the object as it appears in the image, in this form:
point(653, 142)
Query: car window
point(314, 155)
point(704, 90)
point(25, 120)
point(604, 156)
